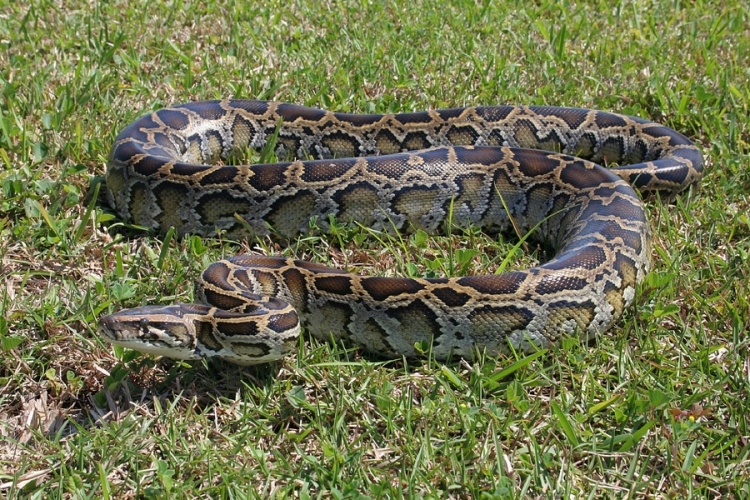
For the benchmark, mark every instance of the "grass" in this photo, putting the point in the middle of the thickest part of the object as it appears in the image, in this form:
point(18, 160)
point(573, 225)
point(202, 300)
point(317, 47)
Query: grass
point(658, 408)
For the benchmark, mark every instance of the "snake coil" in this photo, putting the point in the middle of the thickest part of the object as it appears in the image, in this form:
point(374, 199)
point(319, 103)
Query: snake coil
point(497, 167)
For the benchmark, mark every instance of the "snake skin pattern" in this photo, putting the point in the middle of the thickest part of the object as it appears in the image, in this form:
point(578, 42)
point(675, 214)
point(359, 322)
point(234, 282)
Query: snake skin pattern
point(501, 168)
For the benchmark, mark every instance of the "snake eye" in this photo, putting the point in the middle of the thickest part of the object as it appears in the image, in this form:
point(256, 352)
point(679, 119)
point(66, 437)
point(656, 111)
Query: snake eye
point(144, 324)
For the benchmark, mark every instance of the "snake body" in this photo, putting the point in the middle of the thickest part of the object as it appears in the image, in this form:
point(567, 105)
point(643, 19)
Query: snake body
point(501, 168)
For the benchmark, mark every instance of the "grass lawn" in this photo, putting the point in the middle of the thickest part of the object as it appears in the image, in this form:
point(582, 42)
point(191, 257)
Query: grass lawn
point(657, 408)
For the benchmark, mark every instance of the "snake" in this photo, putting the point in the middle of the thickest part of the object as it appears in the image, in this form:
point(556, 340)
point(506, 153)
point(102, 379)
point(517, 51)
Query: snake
point(571, 179)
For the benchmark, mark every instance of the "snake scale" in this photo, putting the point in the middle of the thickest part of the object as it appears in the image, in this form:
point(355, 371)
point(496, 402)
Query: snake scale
point(501, 168)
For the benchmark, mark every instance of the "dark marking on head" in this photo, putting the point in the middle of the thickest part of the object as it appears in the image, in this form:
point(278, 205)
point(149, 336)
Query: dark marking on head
point(693, 155)
point(160, 152)
point(180, 310)
point(673, 171)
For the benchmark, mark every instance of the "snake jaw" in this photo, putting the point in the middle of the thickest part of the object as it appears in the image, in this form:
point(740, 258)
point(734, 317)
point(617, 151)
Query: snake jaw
point(161, 331)
point(195, 331)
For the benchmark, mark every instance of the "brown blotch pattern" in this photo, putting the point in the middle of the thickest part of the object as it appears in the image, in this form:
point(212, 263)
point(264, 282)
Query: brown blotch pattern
point(601, 232)
point(451, 297)
point(507, 283)
point(205, 334)
point(337, 285)
point(381, 289)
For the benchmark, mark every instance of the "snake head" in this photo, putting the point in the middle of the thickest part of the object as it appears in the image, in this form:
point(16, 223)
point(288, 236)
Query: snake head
point(194, 331)
point(158, 330)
